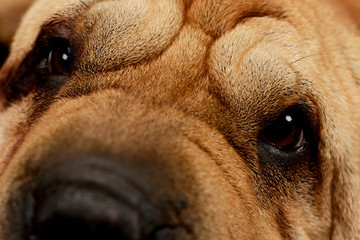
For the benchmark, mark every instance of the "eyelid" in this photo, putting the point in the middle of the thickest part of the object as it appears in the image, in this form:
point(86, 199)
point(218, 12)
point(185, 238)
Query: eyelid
point(59, 27)
point(58, 30)
point(303, 107)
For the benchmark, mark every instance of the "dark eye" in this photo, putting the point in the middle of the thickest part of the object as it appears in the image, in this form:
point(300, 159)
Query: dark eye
point(286, 132)
point(59, 59)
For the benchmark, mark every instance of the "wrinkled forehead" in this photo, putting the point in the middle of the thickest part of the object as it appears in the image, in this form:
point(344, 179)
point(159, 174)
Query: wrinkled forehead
point(126, 32)
point(161, 17)
point(239, 42)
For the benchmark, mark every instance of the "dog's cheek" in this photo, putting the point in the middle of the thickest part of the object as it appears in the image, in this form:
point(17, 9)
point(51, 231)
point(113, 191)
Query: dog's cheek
point(12, 121)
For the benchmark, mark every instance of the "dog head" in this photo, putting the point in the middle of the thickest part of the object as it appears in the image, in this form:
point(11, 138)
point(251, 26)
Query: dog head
point(181, 120)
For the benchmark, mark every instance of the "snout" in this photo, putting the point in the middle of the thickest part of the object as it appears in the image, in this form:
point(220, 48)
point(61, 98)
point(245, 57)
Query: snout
point(96, 197)
point(117, 169)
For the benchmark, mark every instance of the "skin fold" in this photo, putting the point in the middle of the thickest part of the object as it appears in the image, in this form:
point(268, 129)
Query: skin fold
point(171, 119)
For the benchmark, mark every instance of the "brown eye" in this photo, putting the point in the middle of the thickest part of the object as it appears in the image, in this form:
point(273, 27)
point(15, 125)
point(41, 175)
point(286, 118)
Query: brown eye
point(286, 132)
point(59, 59)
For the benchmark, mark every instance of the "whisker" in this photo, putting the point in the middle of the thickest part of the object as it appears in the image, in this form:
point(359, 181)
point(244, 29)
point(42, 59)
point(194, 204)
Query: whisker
point(302, 58)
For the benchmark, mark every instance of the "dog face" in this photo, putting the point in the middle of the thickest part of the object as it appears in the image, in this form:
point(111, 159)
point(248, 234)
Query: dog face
point(181, 120)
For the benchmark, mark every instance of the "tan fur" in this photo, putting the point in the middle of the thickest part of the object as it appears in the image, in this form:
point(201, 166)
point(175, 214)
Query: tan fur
point(191, 84)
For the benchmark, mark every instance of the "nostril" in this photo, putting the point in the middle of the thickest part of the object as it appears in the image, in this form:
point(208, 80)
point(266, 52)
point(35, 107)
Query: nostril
point(71, 212)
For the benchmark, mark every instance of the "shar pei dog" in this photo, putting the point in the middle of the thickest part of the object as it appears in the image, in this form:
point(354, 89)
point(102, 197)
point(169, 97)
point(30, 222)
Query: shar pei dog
point(187, 120)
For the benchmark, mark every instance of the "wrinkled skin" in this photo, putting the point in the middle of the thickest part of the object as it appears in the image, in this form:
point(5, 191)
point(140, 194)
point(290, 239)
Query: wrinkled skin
point(158, 126)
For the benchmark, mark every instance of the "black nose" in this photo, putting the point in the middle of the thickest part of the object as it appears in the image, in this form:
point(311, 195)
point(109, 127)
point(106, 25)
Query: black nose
point(70, 212)
point(97, 198)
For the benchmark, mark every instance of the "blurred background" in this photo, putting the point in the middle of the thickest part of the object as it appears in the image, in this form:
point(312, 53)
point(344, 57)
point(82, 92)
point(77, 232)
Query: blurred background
point(10, 16)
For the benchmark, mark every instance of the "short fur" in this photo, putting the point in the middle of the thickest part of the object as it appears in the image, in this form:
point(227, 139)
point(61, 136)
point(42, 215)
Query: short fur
point(188, 87)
